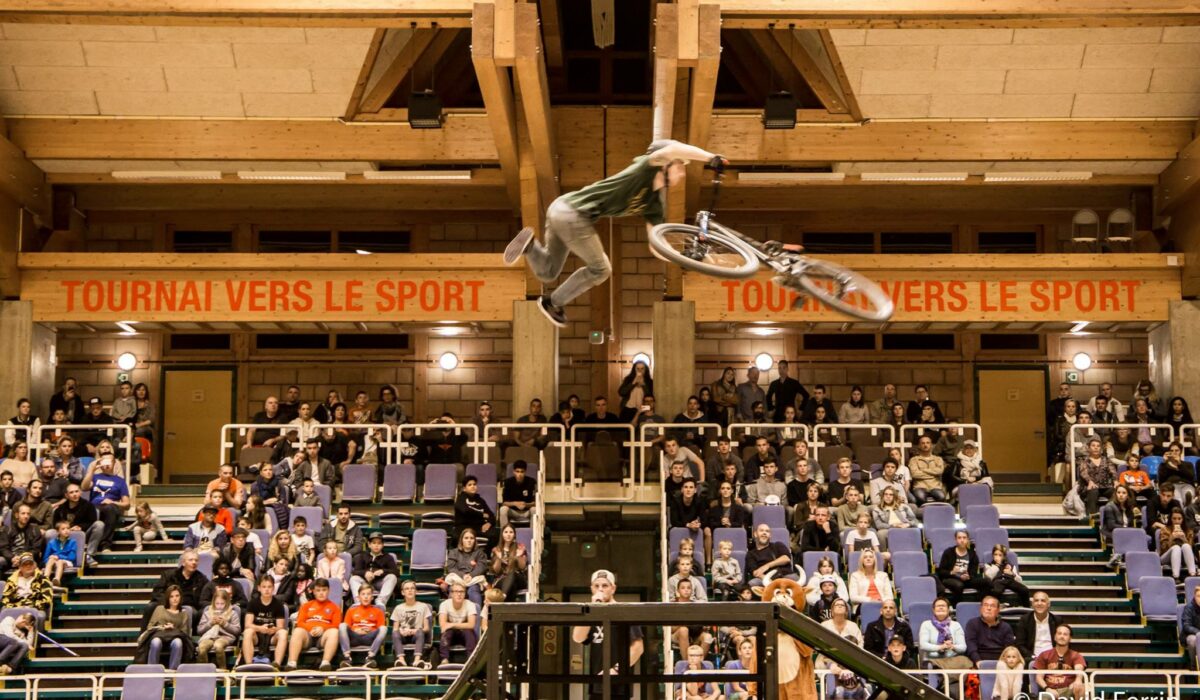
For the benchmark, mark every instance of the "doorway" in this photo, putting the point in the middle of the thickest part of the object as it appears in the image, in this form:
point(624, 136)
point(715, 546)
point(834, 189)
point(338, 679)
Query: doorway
point(196, 403)
point(1012, 412)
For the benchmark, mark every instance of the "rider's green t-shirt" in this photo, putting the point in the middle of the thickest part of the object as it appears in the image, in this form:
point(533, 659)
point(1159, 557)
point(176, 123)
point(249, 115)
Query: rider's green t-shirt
point(627, 193)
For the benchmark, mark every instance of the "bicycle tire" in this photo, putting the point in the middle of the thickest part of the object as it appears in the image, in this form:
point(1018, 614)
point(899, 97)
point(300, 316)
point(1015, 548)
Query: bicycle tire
point(881, 305)
point(742, 259)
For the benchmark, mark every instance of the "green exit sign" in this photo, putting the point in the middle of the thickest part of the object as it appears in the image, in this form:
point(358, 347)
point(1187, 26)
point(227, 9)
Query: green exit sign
point(596, 337)
point(1072, 377)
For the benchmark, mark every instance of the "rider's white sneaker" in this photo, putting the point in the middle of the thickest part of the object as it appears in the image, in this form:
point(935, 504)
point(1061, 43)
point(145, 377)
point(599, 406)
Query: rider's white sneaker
point(556, 314)
point(517, 246)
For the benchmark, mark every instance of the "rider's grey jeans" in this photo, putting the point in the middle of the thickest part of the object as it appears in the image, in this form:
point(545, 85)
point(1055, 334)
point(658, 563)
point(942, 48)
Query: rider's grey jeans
point(568, 231)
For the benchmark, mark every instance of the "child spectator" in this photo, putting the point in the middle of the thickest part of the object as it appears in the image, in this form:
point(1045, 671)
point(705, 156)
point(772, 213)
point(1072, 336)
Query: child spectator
point(61, 553)
point(308, 496)
point(411, 619)
point(726, 572)
point(305, 547)
point(220, 625)
point(332, 566)
point(146, 526)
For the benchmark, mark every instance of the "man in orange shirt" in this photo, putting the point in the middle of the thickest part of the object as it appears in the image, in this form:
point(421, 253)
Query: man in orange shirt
point(224, 517)
point(318, 619)
point(363, 624)
point(235, 492)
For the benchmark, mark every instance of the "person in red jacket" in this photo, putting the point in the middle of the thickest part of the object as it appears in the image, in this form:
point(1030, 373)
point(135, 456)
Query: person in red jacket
point(318, 620)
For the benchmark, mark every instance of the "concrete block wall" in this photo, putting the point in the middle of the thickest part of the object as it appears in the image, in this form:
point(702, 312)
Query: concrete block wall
point(120, 238)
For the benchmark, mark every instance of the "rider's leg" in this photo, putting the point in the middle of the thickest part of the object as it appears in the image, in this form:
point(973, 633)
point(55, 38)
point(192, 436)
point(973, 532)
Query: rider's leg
point(547, 260)
point(582, 240)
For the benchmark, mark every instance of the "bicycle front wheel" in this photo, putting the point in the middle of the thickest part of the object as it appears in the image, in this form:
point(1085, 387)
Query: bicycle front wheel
point(845, 290)
point(720, 254)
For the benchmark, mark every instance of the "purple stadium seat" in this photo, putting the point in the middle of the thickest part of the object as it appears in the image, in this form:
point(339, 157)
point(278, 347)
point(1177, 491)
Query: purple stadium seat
point(246, 586)
point(205, 566)
point(868, 612)
point(986, 538)
point(775, 516)
point(428, 550)
point(325, 494)
point(1157, 594)
point(966, 611)
point(987, 681)
point(978, 516)
point(525, 537)
point(1189, 587)
point(939, 541)
point(736, 536)
point(1130, 539)
point(852, 561)
point(264, 536)
point(780, 534)
point(314, 520)
point(145, 682)
point(811, 559)
point(358, 483)
point(1139, 564)
point(906, 564)
point(486, 473)
point(399, 483)
point(938, 516)
point(441, 481)
point(196, 687)
point(918, 590)
point(80, 545)
point(905, 539)
point(531, 470)
point(916, 614)
point(678, 535)
point(973, 495)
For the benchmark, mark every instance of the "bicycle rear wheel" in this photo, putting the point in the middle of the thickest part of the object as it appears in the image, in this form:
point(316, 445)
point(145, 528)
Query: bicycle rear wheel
point(721, 254)
point(845, 290)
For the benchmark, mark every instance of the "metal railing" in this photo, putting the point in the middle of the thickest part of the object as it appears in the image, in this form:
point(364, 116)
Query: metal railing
point(405, 433)
point(960, 428)
point(1089, 430)
point(384, 449)
point(1194, 428)
point(80, 432)
point(538, 524)
point(500, 436)
point(647, 450)
point(629, 484)
point(836, 430)
point(239, 437)
point(12, 431)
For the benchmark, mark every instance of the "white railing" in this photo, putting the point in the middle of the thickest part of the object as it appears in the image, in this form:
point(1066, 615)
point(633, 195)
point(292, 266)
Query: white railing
point(647, 450)
point(538, 523)
point(407, 431)
point(629, 484)
point(384, 449)
point(767, 430)
point(238, 438)
point(836, 430)
point(1194, 428)
point(79, 432)
point(1088, 430)
point(10, 436)
point(959, 428)
point(500, 435)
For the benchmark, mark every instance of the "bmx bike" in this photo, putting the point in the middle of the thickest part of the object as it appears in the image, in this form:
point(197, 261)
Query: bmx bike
point(716, 250)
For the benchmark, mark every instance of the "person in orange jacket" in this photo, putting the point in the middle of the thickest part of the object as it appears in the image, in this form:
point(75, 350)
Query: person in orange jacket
point(317, 620)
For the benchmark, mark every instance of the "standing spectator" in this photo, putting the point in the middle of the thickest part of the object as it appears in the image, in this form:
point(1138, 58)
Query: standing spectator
point(23, 418)
point(637, 385)
point(725, 397)
point(80, 516)
point(887, 627)
point(927, 470)
point(784, 392)
point(18, 537)
point(68, 401)
point(912, 413)
point(518, 496)
point(880, 410)
point(768, 557)
point(344, 531)
point(234, 491)
point(748, 394)
point(23, 469)
point(1035, 629)
point(412, 619)
point(324, 413)
point(855, 409)
point(109, 493)
point(220, 625)
point(267, 437)
point(1189, 638)
point(318, 621)
point(472, 512)
point(958, 568)
point(375, 569)
point(28, 587)
point(265, 625)
point(456, 618)
point(363, 624)
point(1061, 658)
point(674, 453)
point(289, 408)
point(604, 587)
point(147, 413)
point(819, 399)
point(987, 635)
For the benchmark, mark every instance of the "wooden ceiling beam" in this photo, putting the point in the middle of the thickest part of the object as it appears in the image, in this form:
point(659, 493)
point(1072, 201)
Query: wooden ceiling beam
point(23, 181)
point(805, 55)
point(1177, 183)
point(364, 73)
point(399, 69)
point(497, 90)
point(892, 14)
point(551, 32)
point(704, 91)
point(277, 13)
point(666, 69)
point(530, 69)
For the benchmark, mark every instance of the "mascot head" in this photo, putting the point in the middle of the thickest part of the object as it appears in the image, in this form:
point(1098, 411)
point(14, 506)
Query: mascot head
point(786, 592)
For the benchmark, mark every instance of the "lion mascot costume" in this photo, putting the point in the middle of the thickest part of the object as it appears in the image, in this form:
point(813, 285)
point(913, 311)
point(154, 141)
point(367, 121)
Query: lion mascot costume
point(797, 680)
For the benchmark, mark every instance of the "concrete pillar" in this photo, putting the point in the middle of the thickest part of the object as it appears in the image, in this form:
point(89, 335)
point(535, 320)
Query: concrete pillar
point(1174, 362)
point(535, 359)
point(16, 355)
point(674, 355)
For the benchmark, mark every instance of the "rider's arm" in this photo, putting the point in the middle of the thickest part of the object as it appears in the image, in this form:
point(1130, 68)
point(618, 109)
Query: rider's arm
point(679, 151)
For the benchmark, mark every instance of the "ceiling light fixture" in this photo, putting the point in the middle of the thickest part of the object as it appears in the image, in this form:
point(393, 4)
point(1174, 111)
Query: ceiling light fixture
point(416, 174)
point(126, 361)
point(424, 110)
point(759, 176)
point(780, 111)
point(448, 361)
point(1038, 176)
point(166, 174)
point(127, 327)
point(914, 177)
point(1081, 361)
point(1078, 327)
point(293, 175)
point(764, 361)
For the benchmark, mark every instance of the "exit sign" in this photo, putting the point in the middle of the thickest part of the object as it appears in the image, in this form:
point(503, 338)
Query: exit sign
point(1072, 377)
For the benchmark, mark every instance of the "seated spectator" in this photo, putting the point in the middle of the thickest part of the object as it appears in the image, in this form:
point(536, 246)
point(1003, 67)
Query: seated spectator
point(466, 564)
point(223, 580)
point(255, 513)
point(1189, 638)
point(768, 557)
point(104, 450)
point(869, 582)
point(1137, 480)
point(1035, 630)
point(518, 496)
point(339, 446)
point(1176, 546)
point(845, 479)
point(1118, 512)
point(890, 512)
point(861, 538)
point(306, 548)
point(19, 537)
point(714, 467)
point(727, 474)
point(958, 568)
point(289, 407)
point(805, 511)
point(762, 453)
point(822, 417)
point(240, 554)
point(304, 426)
point(789, 430)
point(1004, 576)
point(220, 625)
point(879, 634)
point(375, 568)
point(318, 621)
point(673, 483)
point(252, 539)
point(184, 577)
point(695, 661)
point(509, 565)
point(927, 470)
point(692, 434)
point(942, 641)
point(24, 418)
point(27, 586)
point(41, 511)
point(683, 571)
point(330, 566)
point(265, 625)
point(531, 437)
point(969, 468)
point(296, 586)
point(344, 531)
point(471, 511)
point(855, 409)
point(389, 411)
point(1158, 510)
point(1096, 476)
point(1178, 472)
point(686, 508)
point(230, 487)
point(147, 526)
point(947, 443)
point(746, 661)
point(684, 636)
point(840, 624)
point(17, 636)
point(899, 655)
point(820, 534)
point(800, 452)
point(18, 462)
point(67, 464)
point(1068, 663)
point(674, 454)
point(801, 479)
point(205, 535)
point(726, 573)
point(767, 489)
point(282, 547)
point(412, 620)
point(987, 635)
point(307, 496)
point(9, 496)
point(825, 570)
point(724, 512)
point(646, 415)
point(79, 513)
point(364, 624)
point(168, 626)
point(819, 400)
point(61, 553)
point(889, 475)
point(309, 464)
point(270, 415)
point(848, 513)
point(110, 494)
point(456, 619)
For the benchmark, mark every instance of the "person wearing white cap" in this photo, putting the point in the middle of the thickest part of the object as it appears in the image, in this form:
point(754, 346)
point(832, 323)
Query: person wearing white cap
point(969, 468)
point(604, 586)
